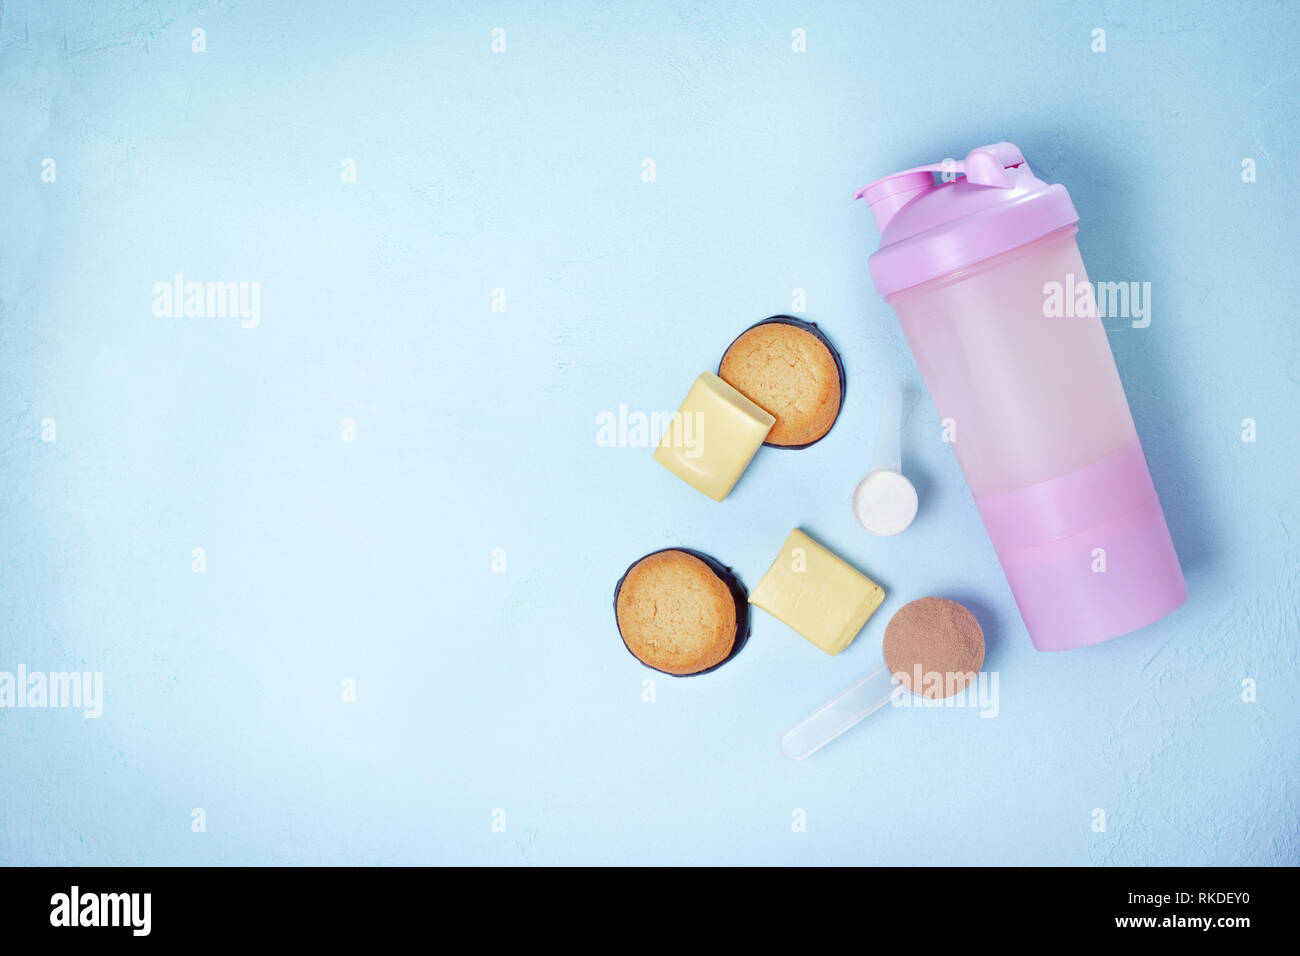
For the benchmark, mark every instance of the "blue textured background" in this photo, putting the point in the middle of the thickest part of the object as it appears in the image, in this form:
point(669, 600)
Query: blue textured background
point(476, 429)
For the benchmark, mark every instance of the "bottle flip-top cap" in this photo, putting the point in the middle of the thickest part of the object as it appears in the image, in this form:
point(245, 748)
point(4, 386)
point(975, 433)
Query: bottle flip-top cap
point(985, 205)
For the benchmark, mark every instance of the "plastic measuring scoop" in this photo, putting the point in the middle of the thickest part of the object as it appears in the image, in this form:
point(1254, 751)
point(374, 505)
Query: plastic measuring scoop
point(840, 713)
point(933, 648)
point(884, 502)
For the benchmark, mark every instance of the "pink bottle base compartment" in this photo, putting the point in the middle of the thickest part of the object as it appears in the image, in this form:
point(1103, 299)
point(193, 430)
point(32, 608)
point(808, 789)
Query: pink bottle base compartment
point(1088, 555)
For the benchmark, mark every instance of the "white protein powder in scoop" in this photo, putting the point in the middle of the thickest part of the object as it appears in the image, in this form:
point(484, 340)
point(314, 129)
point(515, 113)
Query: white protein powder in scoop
point(884, 502)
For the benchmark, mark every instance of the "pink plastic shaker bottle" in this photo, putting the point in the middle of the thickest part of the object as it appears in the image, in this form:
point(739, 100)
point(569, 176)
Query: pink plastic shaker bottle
point(1031, 400)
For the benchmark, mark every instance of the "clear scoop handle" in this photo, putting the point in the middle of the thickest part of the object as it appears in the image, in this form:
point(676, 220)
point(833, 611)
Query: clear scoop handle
point(888, 438)
point(840, 713)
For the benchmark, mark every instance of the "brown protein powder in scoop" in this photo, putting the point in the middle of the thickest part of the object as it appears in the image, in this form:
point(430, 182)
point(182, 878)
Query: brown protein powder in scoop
point(935, 646)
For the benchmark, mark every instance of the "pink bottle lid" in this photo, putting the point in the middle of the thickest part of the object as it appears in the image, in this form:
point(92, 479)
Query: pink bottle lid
point(989, 204)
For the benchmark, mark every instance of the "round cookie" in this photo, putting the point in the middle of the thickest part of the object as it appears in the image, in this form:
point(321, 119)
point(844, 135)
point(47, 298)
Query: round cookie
point(681, 612)
point(939, 636)
point(789, 369)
